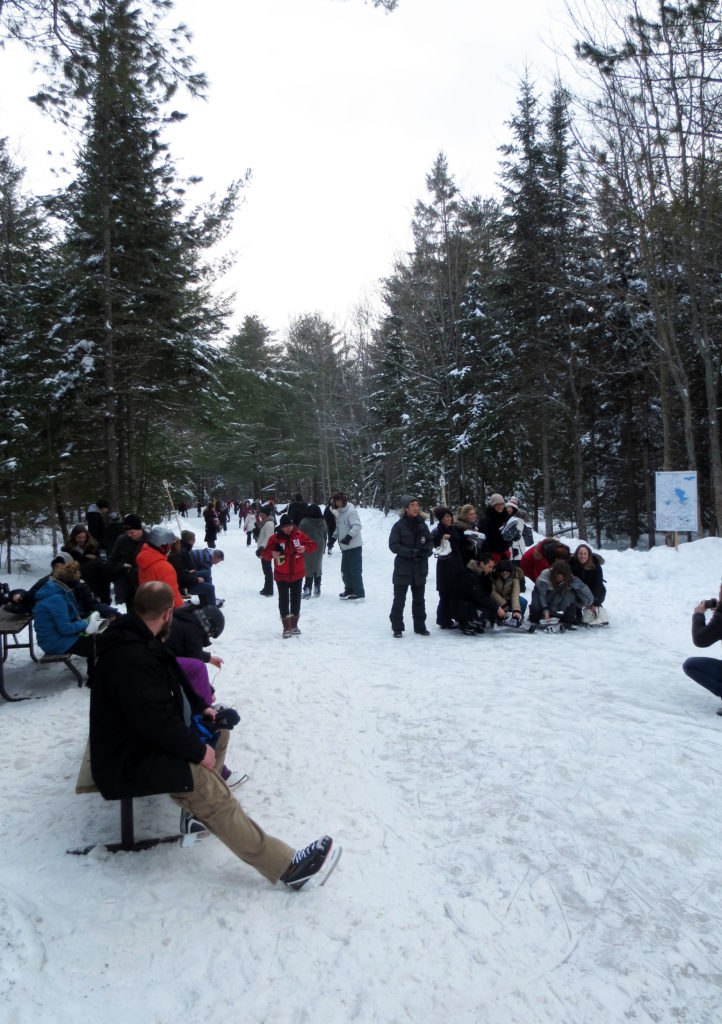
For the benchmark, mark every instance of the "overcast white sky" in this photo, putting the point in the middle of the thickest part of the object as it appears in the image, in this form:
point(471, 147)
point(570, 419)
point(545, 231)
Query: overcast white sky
point(339, 109)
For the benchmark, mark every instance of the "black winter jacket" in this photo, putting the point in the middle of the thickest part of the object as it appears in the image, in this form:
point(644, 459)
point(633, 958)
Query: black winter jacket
point(490, 525)
point(591, 574)
point(123, 554)
point(187, 636)
point(410, 541)
point(140, 743)
point(704, 634)
point(450, 569)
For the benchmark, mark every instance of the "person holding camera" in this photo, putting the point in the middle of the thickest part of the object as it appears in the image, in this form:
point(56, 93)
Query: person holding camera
point(286, 548)
point(706, 671)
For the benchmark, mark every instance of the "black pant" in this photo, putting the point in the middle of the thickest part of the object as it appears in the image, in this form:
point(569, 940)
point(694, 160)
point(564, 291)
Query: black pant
point(289, 597)
point(418, 606)
point(707, 672)
point(85, 647)
point(443, 611)
point(267, 576)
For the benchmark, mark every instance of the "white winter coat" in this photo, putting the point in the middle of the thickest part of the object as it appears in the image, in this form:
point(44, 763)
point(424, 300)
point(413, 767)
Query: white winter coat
point(348, 522)
point(265, 534)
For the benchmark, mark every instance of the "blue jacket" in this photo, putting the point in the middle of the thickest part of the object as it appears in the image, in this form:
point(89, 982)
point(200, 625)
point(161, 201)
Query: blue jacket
point(57, 620)
point(202, 559)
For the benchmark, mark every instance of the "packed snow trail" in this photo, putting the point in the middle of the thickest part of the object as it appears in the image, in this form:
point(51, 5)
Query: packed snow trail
point(529, 825)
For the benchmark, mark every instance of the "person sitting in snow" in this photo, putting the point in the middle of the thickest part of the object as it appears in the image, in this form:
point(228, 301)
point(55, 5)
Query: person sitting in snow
point(560, 595)
point(508, 581)
point(587, 566)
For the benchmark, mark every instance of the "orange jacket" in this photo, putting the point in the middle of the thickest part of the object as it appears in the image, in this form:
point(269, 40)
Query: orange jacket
point(154, 565)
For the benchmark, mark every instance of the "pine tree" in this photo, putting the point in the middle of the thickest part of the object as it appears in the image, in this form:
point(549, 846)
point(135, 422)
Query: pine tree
point(34, 456)
point(138, 304)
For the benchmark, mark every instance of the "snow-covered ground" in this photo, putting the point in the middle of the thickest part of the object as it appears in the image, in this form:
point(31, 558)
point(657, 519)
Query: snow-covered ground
point(531, 824)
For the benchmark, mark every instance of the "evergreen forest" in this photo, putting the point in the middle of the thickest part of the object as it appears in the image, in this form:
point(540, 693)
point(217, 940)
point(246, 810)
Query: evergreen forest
point(560, 340)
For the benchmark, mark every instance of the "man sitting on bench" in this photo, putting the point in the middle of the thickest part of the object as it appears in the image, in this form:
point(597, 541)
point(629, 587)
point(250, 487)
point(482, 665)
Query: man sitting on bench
point(143, 742)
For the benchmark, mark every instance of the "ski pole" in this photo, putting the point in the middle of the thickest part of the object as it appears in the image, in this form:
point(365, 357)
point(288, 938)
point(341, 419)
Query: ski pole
point(172, 506)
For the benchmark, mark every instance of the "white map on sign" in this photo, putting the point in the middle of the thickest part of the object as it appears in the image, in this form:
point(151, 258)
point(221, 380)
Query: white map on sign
point(676, 501)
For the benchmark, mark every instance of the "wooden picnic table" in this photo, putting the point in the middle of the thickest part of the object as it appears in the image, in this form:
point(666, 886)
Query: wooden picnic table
point(11, 626)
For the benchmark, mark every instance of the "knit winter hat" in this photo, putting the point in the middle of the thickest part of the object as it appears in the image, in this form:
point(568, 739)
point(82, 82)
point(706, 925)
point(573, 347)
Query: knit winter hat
point(159, 536)
point(286, 521)
point(132, 522)
point(62, 556)
point(406, 500)
point(67, 572)
point(512, 502)
point(496, 499)
point(267, 510)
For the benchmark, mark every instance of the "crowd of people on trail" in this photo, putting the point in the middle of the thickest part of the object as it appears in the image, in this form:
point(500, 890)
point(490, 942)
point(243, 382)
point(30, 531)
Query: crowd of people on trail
point(489, 571)
point(155, 723)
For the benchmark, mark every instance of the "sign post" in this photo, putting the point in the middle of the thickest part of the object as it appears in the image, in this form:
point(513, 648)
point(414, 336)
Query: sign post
point(676, 503)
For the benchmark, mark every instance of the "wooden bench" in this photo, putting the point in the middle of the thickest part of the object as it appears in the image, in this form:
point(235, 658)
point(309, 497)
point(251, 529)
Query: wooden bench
point(65, 659)
point(11, 626)
point(128, 843)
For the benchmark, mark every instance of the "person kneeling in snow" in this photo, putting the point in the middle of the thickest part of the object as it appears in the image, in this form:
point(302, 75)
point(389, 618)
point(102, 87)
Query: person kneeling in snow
point(706, 671)
point(143, 741)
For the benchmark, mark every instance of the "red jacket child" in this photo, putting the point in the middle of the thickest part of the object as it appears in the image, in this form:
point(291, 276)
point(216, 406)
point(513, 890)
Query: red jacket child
point(289, 544)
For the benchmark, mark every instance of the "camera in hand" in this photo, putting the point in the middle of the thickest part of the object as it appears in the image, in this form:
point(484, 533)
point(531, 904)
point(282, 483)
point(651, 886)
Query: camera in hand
point(712, 603)
point(226, 718)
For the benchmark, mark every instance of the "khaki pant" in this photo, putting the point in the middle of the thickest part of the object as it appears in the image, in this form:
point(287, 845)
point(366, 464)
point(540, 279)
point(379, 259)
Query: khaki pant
point(213, 803)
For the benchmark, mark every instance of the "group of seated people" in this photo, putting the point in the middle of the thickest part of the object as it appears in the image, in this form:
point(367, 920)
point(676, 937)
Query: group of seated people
point(148, 675)
point(72, 603)
point(481, 584)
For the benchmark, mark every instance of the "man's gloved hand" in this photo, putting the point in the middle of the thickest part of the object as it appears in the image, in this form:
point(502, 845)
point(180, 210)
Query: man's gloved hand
point(347, 539)
point(226, 718)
